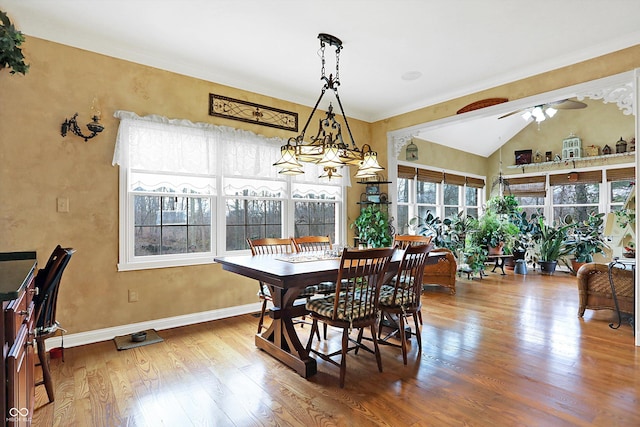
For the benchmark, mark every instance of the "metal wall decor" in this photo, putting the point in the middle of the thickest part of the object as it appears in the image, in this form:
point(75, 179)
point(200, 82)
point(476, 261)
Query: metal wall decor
point(249, 112)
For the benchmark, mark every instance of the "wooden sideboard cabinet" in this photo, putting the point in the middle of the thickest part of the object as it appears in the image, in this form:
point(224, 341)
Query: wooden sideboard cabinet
point(17, 273)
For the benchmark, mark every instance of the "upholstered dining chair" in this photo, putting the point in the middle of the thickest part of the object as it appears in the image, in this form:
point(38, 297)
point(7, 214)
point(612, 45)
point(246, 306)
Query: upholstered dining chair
point(316, 244)
point(402, 298)
point(272, 245)
point(403, 241)
point(47, 282)
point(354, 305)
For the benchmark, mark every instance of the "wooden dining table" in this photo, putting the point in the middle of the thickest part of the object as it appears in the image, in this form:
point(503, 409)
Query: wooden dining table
point(286, 276)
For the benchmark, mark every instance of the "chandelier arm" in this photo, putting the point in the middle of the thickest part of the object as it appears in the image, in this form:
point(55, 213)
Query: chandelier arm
point(315, 107)
point(346, 122)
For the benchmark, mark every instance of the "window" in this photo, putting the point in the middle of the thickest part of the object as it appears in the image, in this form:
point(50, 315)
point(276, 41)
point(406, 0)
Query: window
point(530, 193)
point(443, 194)
point(575, 194)
point(621, 182)
point(191, 191)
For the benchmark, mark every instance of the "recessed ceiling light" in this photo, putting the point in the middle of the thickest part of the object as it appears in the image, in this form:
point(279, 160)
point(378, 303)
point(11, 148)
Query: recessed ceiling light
point(411, 75)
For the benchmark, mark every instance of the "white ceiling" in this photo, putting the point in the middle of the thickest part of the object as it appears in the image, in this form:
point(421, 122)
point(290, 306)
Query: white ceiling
point(270, 47)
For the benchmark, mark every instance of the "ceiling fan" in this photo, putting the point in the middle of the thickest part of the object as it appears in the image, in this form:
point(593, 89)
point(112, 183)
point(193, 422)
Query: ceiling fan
point(542, 111)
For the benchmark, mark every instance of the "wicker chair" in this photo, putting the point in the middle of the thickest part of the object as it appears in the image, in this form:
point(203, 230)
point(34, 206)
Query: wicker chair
point(442, 273)
point(594, 289)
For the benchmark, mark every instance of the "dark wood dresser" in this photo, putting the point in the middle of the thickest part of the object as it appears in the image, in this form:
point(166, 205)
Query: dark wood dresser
point(17, 272)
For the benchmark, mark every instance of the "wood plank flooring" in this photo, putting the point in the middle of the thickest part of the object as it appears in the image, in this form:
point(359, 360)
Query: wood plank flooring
point(504, 351)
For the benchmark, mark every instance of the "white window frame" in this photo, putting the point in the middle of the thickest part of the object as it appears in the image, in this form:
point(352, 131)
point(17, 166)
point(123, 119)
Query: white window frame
point(127, 259)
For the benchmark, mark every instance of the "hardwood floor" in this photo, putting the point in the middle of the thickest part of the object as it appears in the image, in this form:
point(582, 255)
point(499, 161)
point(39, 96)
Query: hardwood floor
point(504, 351)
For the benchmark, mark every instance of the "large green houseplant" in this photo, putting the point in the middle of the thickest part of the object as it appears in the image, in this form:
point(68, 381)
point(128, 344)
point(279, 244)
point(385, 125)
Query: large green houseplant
point(11, 56)
point(551, 245)
point(373, 227)
point(585, 239)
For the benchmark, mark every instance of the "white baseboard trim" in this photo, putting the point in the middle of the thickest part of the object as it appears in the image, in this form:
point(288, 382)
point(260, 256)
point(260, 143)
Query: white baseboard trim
point(90, 337)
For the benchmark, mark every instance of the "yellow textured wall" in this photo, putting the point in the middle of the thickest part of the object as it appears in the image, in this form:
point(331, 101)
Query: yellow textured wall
point(38, 165)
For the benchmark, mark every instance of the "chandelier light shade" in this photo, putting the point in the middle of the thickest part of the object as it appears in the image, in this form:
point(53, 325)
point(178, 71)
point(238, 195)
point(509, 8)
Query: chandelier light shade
point(328, 148)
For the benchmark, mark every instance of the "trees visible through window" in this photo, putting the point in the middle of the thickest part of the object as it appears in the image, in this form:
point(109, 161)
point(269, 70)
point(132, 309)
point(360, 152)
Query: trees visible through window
point(193, 190)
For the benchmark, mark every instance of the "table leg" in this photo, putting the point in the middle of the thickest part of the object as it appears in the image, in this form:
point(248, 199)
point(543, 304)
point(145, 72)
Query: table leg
point(281, 340)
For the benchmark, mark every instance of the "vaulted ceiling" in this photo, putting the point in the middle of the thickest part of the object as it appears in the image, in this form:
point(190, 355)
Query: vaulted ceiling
point(454, 48)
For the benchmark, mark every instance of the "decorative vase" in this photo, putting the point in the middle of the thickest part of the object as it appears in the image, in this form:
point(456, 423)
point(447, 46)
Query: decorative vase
point(548, 267)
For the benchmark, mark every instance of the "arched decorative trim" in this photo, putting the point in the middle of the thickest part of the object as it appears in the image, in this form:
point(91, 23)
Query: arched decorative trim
point(622, 95)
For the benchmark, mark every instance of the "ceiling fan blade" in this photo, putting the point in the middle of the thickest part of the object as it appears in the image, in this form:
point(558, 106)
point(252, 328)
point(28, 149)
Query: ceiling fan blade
point(567, 104)
point(510, 114)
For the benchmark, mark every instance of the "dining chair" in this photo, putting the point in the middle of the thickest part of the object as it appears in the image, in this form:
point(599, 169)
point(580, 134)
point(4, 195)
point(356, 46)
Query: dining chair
point(354, 305)
point(402, 298)
point(402, 241)
point(316, 244)
point(273, 245)
point(45, 300)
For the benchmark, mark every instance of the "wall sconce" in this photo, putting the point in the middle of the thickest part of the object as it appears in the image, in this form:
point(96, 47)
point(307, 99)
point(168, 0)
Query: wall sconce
point(94, 126)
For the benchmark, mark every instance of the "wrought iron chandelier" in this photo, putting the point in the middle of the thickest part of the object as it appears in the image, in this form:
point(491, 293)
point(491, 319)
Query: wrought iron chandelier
point(327, 148)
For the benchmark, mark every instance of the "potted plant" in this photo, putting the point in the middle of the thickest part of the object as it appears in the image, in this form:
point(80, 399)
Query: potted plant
point(11, 56)
point(373, 227)
point(550, 245)
point(584, 240)
point(495, 232)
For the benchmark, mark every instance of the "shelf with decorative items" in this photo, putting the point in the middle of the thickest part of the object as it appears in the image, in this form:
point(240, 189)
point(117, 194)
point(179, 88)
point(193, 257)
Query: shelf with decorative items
point(373, 225)
point(373, 194)
point(573, 161)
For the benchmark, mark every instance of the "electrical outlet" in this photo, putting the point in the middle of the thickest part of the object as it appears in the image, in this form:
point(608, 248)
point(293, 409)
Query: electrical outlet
point(133, 295)
point(63, 204)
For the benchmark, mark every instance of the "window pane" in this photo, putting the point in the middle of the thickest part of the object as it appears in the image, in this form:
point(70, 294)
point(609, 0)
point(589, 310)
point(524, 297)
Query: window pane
point(472, 212)
point(163, 225)
point(471, 196)
point(451, 194)
point(147, 241)
point(403, 219)
point(576, 194)
point(251, 219)
point(426, 192)
point(530, 201)
point(620, 191)
point(146, 210)
point(403, 190)
point(423, 210)
point(315, 219)
point(577, 213)
point(449, 211)
point(174, 239)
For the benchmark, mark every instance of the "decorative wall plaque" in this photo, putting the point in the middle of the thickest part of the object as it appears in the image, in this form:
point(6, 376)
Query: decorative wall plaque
point(249, 112)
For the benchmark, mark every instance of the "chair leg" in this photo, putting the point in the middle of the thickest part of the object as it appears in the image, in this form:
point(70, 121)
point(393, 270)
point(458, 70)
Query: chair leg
point(343, 362)
point(314, 331)
point(420, 316)
point(418, 332)
point(375, 346)
point(403, 337)
point(46, 374)
point(262, 311)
